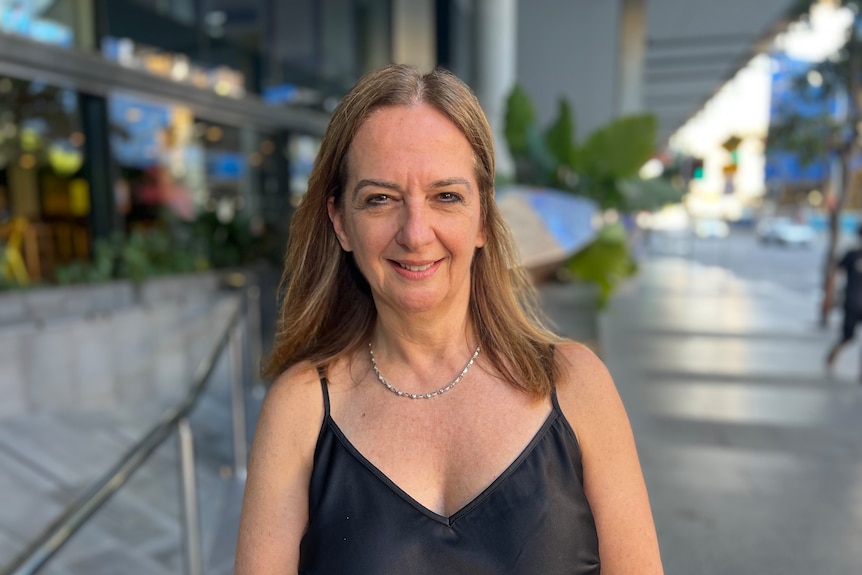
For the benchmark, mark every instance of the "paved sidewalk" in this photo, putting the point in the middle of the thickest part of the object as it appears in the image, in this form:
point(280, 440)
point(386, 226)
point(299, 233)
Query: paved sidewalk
point(751, 453)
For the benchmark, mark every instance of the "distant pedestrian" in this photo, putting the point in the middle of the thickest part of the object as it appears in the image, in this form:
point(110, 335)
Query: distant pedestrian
point(851, 265)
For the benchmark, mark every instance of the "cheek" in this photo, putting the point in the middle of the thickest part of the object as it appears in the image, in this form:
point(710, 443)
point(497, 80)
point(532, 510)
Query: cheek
point(465, 243)
point(368, 237)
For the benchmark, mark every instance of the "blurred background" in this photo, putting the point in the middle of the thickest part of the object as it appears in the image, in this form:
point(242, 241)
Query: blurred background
point(679, 175)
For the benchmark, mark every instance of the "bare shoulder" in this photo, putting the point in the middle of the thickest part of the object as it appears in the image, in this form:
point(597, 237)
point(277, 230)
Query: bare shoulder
point(585, 389)
point(294, 401)
point(589, 400)
point(275, 504)
point(578, 361)
point(289, 421)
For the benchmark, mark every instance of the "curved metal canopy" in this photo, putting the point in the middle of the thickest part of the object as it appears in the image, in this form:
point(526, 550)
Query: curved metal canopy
point(694, 46)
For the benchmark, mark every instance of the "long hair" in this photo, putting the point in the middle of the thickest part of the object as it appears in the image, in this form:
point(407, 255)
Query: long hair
point(327, 310)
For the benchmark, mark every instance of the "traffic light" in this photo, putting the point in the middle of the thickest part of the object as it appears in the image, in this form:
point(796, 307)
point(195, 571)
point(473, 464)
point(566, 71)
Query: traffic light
point(732, 143)
point(691, 168)
point(697, 168)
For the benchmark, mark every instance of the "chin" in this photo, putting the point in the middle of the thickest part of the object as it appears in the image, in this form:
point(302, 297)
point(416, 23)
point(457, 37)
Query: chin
point(419, 306)
point(423, 301)
point(420, 303)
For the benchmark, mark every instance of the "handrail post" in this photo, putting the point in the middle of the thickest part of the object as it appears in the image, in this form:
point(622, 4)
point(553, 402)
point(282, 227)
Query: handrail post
point(240, 448)
point(189, 498)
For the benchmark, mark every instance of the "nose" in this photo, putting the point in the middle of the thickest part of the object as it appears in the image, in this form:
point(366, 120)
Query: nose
point(415, 230)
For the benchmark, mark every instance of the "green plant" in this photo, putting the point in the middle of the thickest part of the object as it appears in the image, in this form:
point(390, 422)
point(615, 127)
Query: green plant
point(144, 253)
point(171, 246)
point(604, 167)
point(533, 162)
point(99, 269)
point(152, 252)
point(5, 282)
point(594, 168)
point(606, 261)
point(614, 153)
point(225, 244)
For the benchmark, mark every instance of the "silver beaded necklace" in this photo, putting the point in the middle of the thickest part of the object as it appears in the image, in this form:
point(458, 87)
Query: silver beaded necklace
point(440, 391)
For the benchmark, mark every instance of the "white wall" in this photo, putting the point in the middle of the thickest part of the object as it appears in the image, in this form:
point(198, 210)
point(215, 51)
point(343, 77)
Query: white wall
point(413, 29)
point(632, 54)
point(570, 48)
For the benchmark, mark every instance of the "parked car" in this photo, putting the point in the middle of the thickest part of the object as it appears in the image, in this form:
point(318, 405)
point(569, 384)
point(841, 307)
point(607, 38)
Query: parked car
point(785, 231)
point(711, 228)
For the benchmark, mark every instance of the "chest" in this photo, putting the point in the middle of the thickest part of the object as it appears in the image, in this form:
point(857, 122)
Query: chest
point(533, 519)
point(445, 451)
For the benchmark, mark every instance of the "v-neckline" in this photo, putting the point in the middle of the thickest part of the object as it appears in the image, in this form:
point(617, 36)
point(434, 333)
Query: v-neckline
point(473, 502)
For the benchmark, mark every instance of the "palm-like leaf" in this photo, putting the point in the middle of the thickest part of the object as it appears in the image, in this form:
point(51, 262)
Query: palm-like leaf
point(619, 149)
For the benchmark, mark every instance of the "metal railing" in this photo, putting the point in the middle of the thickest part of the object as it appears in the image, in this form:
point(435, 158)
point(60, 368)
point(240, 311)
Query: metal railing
point(76, 515)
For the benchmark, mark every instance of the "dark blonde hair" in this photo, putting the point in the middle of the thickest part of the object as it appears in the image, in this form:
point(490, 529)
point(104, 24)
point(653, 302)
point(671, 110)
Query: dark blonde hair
point(328, 310)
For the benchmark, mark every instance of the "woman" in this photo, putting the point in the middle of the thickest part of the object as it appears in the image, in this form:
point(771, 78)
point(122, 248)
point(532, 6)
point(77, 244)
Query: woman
point(422, 420)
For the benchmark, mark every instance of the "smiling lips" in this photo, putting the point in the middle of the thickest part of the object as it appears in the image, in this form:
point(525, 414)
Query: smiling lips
point(416, 268)
point(421, 268)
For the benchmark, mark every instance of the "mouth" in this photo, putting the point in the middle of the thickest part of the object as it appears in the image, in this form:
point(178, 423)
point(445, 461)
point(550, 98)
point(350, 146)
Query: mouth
point(415, 268)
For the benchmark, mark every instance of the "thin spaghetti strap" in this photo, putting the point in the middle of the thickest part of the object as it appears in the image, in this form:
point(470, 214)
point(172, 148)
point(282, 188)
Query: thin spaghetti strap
point(325, 389)
point(555, 402)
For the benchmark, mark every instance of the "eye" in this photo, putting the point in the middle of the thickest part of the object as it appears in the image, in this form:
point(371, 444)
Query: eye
point(450, 197)
point(377, 200)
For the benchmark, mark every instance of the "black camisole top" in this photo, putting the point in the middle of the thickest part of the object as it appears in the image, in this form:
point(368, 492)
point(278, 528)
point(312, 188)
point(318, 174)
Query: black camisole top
point(533, 519)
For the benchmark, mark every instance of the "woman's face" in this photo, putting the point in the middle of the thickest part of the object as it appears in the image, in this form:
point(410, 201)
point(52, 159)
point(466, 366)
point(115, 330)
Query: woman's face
point(411, 213)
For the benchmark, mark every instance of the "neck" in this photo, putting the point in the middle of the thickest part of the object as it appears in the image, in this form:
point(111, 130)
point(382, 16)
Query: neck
point(437, 331)
point(420, 336)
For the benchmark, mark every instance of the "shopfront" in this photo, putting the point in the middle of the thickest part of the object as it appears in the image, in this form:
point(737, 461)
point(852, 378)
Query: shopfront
point(101, 133)
point(44, 194)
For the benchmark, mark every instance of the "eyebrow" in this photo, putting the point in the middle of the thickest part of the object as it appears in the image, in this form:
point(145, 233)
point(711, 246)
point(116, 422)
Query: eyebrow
point(393, 186)
point(452, 182)
point(373, 184)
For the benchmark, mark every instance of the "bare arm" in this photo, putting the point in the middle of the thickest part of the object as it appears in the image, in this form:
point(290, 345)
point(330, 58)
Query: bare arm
point(275, 504)
point(613, 480)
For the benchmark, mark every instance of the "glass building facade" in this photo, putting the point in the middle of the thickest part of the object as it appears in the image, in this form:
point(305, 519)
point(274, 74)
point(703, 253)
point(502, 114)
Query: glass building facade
point(117, 113)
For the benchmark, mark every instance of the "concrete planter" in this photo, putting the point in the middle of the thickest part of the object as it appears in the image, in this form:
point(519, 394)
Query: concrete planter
point(573, 309)
point(94, 346)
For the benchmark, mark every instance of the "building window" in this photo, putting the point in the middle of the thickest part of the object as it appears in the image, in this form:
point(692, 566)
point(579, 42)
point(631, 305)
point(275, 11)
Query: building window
point(44, 197)
point(48, 22)
point(160, 165)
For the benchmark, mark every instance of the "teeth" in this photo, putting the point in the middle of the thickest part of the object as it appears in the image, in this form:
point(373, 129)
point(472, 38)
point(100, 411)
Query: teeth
point(415, 268)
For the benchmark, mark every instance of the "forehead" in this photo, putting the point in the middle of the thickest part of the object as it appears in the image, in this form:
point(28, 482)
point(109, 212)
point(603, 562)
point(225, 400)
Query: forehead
point(412, 136)
point(418, 114)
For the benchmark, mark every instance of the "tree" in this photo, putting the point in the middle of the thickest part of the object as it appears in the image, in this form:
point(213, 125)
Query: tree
point(816, 133)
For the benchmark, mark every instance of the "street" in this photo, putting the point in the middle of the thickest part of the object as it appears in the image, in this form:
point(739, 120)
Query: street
point(797, 268)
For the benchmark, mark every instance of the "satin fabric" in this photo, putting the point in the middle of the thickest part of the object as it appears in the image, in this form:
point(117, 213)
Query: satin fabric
point(533, 519)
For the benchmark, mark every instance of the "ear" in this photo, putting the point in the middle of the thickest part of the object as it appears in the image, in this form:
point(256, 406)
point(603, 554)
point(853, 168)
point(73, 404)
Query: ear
point(337, 219)
point(480, 236)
